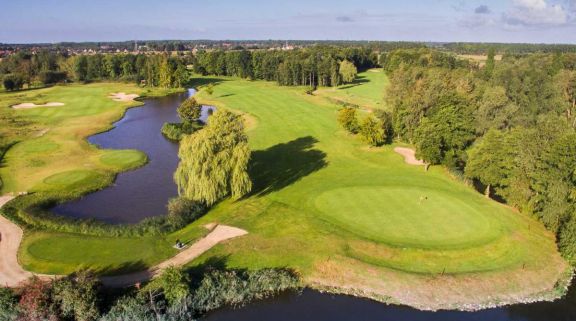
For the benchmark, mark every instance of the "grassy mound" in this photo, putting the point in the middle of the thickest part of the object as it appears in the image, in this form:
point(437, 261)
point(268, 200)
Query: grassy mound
point(72, 179)
point(124, 159)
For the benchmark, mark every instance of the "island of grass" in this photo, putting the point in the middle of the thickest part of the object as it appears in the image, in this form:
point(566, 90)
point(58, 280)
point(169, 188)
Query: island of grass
point(348, 218)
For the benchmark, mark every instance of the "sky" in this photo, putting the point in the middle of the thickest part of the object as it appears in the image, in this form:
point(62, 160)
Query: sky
point(532, 21)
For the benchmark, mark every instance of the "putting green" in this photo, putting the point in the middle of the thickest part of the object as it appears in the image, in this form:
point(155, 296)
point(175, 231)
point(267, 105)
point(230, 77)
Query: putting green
point(409, 216)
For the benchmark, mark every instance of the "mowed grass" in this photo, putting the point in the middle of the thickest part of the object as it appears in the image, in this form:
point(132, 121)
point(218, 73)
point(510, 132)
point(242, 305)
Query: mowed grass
point(367, 91)
point(52, 155)
point(324, 202)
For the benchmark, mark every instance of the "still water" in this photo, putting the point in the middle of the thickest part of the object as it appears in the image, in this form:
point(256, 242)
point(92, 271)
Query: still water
point(314, 306)
point(143, 192)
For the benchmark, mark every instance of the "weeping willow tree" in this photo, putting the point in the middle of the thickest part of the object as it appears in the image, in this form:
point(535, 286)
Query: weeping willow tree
point(214, 161)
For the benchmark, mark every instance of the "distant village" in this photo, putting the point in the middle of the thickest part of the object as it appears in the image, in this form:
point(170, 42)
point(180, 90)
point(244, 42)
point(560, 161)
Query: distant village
point(146, 47)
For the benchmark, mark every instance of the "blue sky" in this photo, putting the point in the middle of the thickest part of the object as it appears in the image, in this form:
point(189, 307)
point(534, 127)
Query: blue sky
point(549, 21)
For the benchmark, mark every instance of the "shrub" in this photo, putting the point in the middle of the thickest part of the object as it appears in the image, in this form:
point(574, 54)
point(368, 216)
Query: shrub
point(347, 118)
point(8, 305)
point(175, 131)
point(236, 288)
point(189, 111)
point(13, 82)
point(182, 211)
point(52, 77)
point(77, 296)
point(173, 283)
point(372, 131)
point(36, 301)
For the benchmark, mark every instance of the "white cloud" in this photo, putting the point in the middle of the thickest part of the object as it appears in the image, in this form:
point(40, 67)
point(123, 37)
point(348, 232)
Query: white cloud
point(535, 13)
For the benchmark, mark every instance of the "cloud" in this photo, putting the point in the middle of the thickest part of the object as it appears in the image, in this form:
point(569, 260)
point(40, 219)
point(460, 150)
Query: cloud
point(535, 13)
point(344, 19)
point(483, 9)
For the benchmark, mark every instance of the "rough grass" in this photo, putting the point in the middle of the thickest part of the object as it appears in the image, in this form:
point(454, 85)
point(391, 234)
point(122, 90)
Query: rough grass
point(350, 217)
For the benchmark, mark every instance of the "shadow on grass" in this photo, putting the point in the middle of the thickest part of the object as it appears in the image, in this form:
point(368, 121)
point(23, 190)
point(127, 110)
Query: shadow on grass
point(284, 164)
point(198, 82)
point(124, 268)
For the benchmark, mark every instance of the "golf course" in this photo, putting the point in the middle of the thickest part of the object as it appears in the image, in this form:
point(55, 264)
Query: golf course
point(347, 217)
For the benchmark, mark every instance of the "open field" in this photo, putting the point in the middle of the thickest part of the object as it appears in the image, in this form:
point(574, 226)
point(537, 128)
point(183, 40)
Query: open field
point(52, 156)
point(361, 220)
point(346, 216)
point(367, 91)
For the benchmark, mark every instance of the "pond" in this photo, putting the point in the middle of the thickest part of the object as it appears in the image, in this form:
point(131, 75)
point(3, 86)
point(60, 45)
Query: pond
point(315, 306)
point(143, 192)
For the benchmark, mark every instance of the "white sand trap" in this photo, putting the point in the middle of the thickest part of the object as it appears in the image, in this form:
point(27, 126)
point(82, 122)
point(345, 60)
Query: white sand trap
point(123, 96)
point(409, 155)
point(32, 105)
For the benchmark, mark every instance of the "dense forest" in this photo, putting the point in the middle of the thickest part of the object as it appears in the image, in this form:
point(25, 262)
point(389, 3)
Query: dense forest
point(45, 68)
point(509, 127)
point(315, 66)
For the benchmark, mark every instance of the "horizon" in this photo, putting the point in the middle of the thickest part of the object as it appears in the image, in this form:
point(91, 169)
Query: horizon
point(438, 21)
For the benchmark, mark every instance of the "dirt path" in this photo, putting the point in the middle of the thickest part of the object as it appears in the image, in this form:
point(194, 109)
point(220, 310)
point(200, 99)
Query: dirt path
point(219, 234)
point(12, 274)
point(409, 155)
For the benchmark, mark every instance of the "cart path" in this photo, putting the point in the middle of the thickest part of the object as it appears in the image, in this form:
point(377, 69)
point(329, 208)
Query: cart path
point(12, 274)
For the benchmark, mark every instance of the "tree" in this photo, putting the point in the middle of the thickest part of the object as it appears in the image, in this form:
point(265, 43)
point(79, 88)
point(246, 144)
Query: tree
point(165, 73)
point(77, 296)
point(495, 110)
point(173, 282)
point(214, 161)
point(347, 118)
point(372, 131)
point(489, 162)
point(13, 82)
point(490, 63)
point(348, 71)
point(36, 301)
point(189, 111)
point(8, 304)
point(180, 76)
point(81, 68)
point(210, 89)
point(182, 211)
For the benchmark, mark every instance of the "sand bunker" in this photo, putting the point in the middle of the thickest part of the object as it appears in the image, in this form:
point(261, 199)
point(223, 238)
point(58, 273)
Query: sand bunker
point(123, 96)
point(409, 156)
point(32, 105)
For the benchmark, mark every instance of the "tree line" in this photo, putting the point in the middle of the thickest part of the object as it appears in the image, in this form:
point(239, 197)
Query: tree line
point(509, 126)
point(314, 66)
point(46, 68)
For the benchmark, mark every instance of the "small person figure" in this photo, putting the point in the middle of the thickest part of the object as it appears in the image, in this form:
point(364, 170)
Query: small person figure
point(423, 198)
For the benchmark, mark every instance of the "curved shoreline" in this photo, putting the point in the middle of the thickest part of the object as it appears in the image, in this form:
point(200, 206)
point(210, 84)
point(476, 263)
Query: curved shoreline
point(12, 274)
